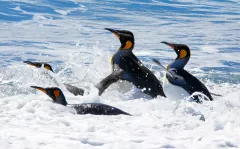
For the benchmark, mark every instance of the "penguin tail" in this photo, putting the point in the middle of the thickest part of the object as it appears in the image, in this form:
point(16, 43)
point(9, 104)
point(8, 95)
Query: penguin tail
point(216, 94)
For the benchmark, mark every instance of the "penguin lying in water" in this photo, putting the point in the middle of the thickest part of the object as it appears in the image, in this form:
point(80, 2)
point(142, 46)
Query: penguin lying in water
point(72, 89)
point(39, 65)
point(178, 83)
point(101, 86)
point(85, 108)
point(134, 71)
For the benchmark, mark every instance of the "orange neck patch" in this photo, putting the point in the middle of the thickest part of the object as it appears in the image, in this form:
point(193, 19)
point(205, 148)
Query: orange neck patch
point(128, 45)
point(56, 94)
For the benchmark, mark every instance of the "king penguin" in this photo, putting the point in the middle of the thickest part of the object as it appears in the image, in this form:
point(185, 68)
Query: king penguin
point(72, 89)
point(133, 70)
point(85, 108)
point(178, 83)
point(101, 86)
point(39, 65)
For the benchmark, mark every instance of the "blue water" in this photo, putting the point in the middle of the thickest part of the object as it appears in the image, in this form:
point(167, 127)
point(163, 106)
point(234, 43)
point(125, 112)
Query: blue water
point(70, 35)
point(39, 30)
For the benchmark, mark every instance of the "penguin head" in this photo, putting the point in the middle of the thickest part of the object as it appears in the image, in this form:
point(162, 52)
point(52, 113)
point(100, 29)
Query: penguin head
point(47, 66)
point(39, 65)
point(126, 38)
point(182, 50)
point(55, 93)
point(183, 55)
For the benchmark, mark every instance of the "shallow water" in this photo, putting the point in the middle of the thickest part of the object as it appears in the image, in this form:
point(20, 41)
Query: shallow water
point(70, 36)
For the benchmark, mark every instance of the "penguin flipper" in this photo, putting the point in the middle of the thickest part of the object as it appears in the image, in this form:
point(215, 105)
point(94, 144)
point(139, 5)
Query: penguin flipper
point(74, 90)
point(97, 109)
point(110, 79)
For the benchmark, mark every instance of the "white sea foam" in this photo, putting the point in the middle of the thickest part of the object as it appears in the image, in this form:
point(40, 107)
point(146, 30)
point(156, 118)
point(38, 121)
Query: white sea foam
point(74, 42)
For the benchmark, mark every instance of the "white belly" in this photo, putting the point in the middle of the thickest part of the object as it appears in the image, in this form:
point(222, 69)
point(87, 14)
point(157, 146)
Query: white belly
point(174, 92)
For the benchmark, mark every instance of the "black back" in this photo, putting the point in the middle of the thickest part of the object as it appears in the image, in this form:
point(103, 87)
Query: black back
point(136, 73)
point(97, 109)
point(190, 83)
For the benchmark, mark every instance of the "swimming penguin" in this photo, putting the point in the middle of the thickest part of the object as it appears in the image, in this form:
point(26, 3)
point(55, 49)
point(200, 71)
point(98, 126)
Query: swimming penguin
point(101, 86)
point(85, 108)
point(39, 65)
point(72, 89)
point(178, 83)
point(134, 71)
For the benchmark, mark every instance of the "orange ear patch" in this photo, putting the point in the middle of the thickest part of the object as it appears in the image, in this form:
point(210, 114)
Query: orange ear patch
point(183, 53)
point(47, 67)
point(128, 45)
point(56, 94)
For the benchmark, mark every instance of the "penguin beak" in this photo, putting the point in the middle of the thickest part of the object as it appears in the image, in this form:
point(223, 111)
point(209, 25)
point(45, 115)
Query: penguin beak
point(115, 32)
point(169, 44)
point(40, 88)
point(38, 65)
point(173, 46)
